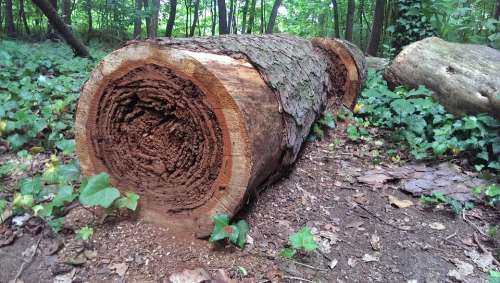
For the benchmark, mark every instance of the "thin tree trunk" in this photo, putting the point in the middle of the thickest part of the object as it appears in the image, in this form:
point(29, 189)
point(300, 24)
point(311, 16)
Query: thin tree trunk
point(138, 19)
point(148, 18)
point(9, 19)
point(272, 18)
point(244, 20)
point(89, 17)
point(230, 16)
point(223, 28)
point(153, 26)
point(378, 22)
point(49, 11)
point(1, 16)
point(50, 29)
point(252, 16)
point(66, 9)
point(497, 10)
point(351, 7)
point(262, 16)
point(195, 17)
point(171, 18)
point(213, 4)
point(22, 14)
point(336, 21)
point(361, 11)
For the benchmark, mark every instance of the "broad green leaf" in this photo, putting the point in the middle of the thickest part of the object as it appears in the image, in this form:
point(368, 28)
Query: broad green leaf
point(56, 224)
point(242, 236)
point(303, 239)
point(96, 191)
point(492, 191)
point(129, 201)
point(287, 253)
point(67, 146)
point(64, 195)
point(85, 233)
point(23, 202)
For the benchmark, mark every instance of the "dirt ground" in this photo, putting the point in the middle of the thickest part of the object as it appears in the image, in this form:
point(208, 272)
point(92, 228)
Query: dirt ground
point(362, 237)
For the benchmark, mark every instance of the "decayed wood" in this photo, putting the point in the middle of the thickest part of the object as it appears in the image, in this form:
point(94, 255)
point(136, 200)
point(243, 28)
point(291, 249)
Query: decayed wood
point(197, 125)
point(465, 78)
point(377, 63)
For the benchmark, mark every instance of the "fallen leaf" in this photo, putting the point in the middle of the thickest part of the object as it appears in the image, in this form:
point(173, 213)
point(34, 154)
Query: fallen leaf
point(333, 263)
point(351, 262)
point(360, 198)
point(437, 226)
point(119, 268)
point(400, 203)
point(369, 258)
point(375, 242)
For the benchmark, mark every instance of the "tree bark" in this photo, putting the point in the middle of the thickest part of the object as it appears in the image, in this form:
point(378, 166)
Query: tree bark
point(9, 19)
point(171, 18)
point(88, 9)
point(274, 14)
point(148, 18)
point(223, 28)
point(378, 21)
point(351, 7)
point(497, 10)
point(196, 125)
point(336, 21)
point(244, 20)
point(138, 19)
point(66, 9)
point(22, 14)
point(463, 77)
point(153, 26)
point(214, 15)
point(262, 16)
point(195, 18)
point(58, 24)
point(230, 16)
point(251, 20)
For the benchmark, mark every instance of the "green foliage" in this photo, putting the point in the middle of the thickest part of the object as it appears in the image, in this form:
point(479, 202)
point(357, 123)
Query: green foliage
point(356, 133)
point(97, 191)
point(236, 233)
point(302, 240)
point(438, 198)
point(129, 201)
point(494, 277)
point(326, 121)
point(491, 194)
point(424, 125)
point(84, 233)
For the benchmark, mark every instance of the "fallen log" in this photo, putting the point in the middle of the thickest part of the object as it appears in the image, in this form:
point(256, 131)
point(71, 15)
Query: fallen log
point(465, 78)
point(196, 125)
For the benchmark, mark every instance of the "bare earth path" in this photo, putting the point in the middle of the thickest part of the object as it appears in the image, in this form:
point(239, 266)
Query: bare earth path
point(362, 237)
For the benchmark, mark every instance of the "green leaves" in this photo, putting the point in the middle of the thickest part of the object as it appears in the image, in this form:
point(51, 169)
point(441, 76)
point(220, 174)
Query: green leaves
point(97, 191)
point(235, 233)
point(494, 277)
point(84, 233)
point(302, 240)
point(129, 201)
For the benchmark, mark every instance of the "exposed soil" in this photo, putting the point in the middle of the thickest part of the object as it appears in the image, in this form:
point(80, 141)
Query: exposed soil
point(362, 237)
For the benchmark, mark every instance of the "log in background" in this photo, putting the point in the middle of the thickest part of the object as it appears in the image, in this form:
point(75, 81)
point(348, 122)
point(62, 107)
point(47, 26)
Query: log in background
point(197, 125)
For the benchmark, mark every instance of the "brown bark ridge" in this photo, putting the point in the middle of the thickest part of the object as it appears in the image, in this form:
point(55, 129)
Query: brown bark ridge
point(54, 20)
point(196, 125)
point(463, 77)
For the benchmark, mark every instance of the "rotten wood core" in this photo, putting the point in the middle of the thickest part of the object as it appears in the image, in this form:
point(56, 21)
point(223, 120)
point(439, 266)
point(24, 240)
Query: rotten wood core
point(197, 125)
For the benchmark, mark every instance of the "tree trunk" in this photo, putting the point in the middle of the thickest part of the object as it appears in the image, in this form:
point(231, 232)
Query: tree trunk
point(262, 16)
point(378, 21)
point(195, 18)
point(272, 18)
point(351, 7)
point(9, 19)
point(22, 14)
point(66, 8)
point(221, 5)
point(138, 19)
point(336, 21)
point(195, 128)
point(58, 24)
point(88, 9)
point(214, 15)
point(148, 18)
point(153, 25)
point(230, 16)
point(497, 10)
point(1, 15)
point(463, 77)
point(361, 12)
point(244, 20)
point(171, 18)
point(251, 20)
point(50, 30)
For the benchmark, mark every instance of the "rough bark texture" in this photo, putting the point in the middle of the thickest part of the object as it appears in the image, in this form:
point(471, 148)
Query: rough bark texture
point(351, 6)
point(196, 125)
point(223, 28)
point(378, 23)
point(58, 24)
point(171, 18)
point(377, 63)
point(464, 77)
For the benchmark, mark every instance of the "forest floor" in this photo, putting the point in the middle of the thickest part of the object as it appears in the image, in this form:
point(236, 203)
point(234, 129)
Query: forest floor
point(331, 189)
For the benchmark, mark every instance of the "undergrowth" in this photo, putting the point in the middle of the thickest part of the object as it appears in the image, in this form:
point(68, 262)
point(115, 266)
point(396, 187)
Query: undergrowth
point(420, 124)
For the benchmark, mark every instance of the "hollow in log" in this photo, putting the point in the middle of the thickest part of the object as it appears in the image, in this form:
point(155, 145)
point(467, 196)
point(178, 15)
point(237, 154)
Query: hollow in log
point(196, 125)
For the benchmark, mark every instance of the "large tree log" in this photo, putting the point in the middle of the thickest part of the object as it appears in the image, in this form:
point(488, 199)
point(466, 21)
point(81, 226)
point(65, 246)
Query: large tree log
point(196, 125)
point(465, 78)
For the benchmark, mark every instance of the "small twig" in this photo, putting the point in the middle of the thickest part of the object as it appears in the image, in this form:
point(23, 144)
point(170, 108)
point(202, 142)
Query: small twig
point(464, 217)
point(298, 279)
point(381, 219)
point(484, 250)
point(451, 236)
point(21, 269)
point(308, 266)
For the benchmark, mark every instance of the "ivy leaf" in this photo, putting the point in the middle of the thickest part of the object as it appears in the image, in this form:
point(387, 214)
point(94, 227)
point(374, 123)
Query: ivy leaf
point(7, 168)
point(68, 173)
point(23, 202)
point(85, 233)
point(56, 224)
point(233, 232)
point(67, 146)
point(221, 221)
point(242, 236)
point(402, 107)
point(128, 201)
point(492, 191)
point(96, 191)
point(64, 195)
point(303, 239)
